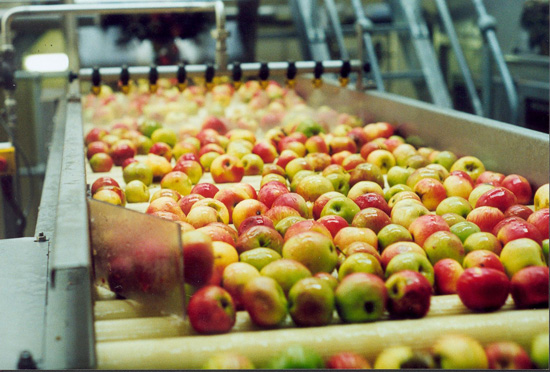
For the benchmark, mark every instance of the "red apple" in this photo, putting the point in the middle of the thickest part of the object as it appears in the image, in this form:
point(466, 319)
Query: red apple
point(161, 149)
point(396, 248)
point(485, 217)
point(482, 258)
point(519, 186)
point(259, 236)
point(293, 200)
point(347, 360)
point(529, 287)
point(540, 219)
point(373, 218)
point(227, 168)
point(483, 289)
point(518, 210)
point(210, 147)
point(424, 226)
point(211, 310)
point(230, 198)
point(254, 221)
point(307, 225)
point(409, 295)
point(208, 190)
point(212, 122)
point(372, 199)
point(490, 177)
point(498, 197)
point(271, 191)
point(95, 134)
point(101, 162)
point(198, 257)
point(266, 151)
point(513, 228)
point(95, 147)
point(507, 355)
point(217, 234)
point(121, 150)
point(333, 223)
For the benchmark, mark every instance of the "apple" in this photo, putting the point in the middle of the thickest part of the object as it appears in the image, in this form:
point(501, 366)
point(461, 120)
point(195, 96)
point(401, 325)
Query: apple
point(402, 152)
point(360, 297)
point(321, 201)
point(166, 192)
point(187, 202)
point(161, 149)
point(443, 244)
point(198, 257)
point(469, 164)
point(363, 248)
point(285, 157)
point(228, 360)
point(351, 161)
point(446, 274)
point(341, 206)
point(483, 289)
point(540, 219)
point(452, 218)
point(165, 135)
point(211, 310)
point(380, 129)
point(341, 143)
point(159, 165)
point(539, 350)
point(464, 229)
point(247, 208)
point(253, 164)
point(318, 160)
point(405, 212)
point(518, 210)
point(202, 215)
point(239, 148)
point(306, 225)
point(247, 189)
point(396, 189)
point(364, 187)
point(507, 355)
point(298, 177)
point(455, 351)
point(333, 223)
point(490, 177)
point(398, 175)
point(94, 135)
point(369, 147)
point(486, 218)
point(498, 197)
point(178, 181)
point(165, 204)
point(360, 262)
point(259, 236)
point(482, 241)
point(278, 213)
point(122, 150)
point(424, 226)
point(540, 200)
point(296, 357)
point(227, 168)
point(96, 147)
point(311, 302)
point(271, 191)
point(347, 360)
point(314, 250)
point(384, 159)
point(286, 272)
point(103, 181)
point(477, 192)
point(311, 187)
point(445, 158)
point(138, 171)
point(513, 228)
point(422, 173)
point(284, 224)
point(456, 185)
point(482, 258)
point(206, 189)
point(273, 168)
point(519, 186)
point(230, 198)
point(454, 204)
point(403, 357)
point(217, 205)
point(181, 150)
point(101, 162)
point(235, 277)
point(259, 257)
point(224, 254)
point(340, 182)
point(109, 196)
point(392, 233)
point(349, 235)
point(409, 295)
point(521, 253)
point(358, 136)
point(293, 200)
point(529, 287)
point(372, 199)
point(372, 218)
point(366, 172)
point(128, 162)
point(410, 261)
point(333, 168)
point(254, 220)
point(136, 192)
point(316, 144)
point(191, 168)
point(265, 302)
point(265, 150)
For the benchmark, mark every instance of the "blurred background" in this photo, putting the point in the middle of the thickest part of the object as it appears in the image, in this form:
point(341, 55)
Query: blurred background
point(411, 44)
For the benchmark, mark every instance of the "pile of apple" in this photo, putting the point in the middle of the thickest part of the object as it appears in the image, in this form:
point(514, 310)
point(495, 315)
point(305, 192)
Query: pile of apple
point(348, 218)
point(453, 351)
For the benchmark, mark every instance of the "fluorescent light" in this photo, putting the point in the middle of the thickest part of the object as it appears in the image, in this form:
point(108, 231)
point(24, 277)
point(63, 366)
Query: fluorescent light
point(51, 62)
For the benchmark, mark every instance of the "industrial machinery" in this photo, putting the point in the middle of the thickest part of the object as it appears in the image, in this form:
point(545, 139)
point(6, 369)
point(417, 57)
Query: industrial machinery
point(57, 318)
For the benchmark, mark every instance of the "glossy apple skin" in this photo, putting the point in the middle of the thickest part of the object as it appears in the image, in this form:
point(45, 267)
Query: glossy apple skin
point(311, 302)
point(259, 236)
point(518, 210)
point(490, 177)
point(187, 202)
point(347, 360)
point(485, 217)
point(254, 221)
point(265, 301)
point(540, 219)
point(529, 287)
point(514, 228)
point(321, 201)
point(519, 186)
point(227, 168)
point(396, 248)
point(307, 225)
point(333, 223)
point(293, 200)
point(372, 199)
point(424, 226)
point(101, 162)
point(211, 310)
point(372, 218)
point(456, 351)
point(483, 289)
point(482, 258)
point(409, 295)
point(446, 274)
point(507, 355)
point(360, 297)
point(271, 191)
point(103, 181)
point(121, 151)
point(499, 197)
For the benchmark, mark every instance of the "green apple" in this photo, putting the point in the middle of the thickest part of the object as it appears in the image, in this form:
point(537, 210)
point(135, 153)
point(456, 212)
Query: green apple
point(165, 135)
point(411, 261)
point(360, 297)
point(422, 173)
point(340, 182)
point(341, 206)
point(296, 165)
point(398, 175)
point(521, 253)
point(464, 229)
point(454, 204)
point(283, 225)
point(311, 302)
point(207, 159)
point(389, 193)
point(445, 158)
point(286, 272)
point(259, 257)
point(482, 241)
point(455, 351)
point(300, 176)
point(296, 357)
point(402, 152)
point(360, 262)
point(309, 127)
point(469, 164)
point(405, 212)
point(253, 164)
point(177, 181)
point(545, 248)
point(149, 126)
point(443, 244)
point(136, 192)
point(311, 187)
point(392, 233)
point(138, 171)
point(452, 218)
point(539, 350)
